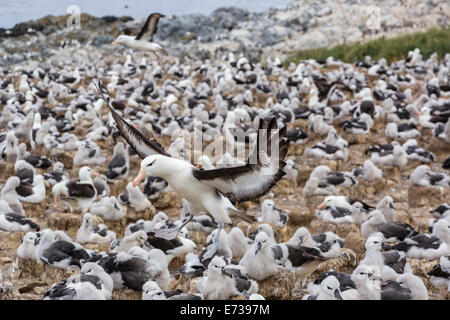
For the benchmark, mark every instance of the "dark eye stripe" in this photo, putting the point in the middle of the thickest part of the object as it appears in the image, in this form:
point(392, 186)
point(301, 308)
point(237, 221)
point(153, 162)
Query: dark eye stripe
point(151, 163)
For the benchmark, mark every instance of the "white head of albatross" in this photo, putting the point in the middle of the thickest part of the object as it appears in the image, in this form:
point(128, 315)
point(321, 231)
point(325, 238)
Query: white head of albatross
point(151, 291)
point(156, 166)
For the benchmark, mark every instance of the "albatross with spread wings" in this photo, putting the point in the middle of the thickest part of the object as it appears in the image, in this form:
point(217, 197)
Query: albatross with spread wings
point(212, 191)
point(144, 39)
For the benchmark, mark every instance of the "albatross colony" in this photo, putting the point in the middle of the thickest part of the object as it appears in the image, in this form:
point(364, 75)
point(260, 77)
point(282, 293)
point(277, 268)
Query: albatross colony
point(163, 227)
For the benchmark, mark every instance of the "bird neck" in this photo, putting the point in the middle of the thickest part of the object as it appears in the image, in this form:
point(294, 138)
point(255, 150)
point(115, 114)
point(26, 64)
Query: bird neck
point(266, 211)
point(172, 168)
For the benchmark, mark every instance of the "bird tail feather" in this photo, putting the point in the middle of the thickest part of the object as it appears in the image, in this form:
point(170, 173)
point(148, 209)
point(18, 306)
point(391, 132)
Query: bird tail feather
point(244, 216)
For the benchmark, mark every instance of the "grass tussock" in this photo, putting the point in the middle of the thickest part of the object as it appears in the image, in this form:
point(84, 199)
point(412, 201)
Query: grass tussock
point(392, 49)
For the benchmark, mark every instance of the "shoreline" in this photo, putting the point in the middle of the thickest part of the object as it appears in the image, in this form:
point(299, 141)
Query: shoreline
point(301, 25)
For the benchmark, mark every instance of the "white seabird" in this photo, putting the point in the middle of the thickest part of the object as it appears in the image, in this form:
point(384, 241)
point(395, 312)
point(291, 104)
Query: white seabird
point(329, 290)
point(193, 266)
point(151, 291)
point(202, 223)
point(135, 198)
point(270, 213)
point(135, 239)
point(9, 195)
point(428, 246)
point(265, 227)
point(335, 178)
point(101, 186)
point(392, 231)
point(24, 171)
point(237, 242)
point(313, 187)
point(139, 42)
point(368, 171)
point(126, 270)
point(396, 158)
point(223, 249)
point(260, 259)
point(172, 248)
point(83, 290)
point(120, 163)
point(423, 176)
point(158, 268)
point(56, 175)
point(386, 206)
point(363, 284)
point(32, 193)
point(96, 275)
point(13, 222)
point(78, 194)
point(405, 287)
point(291, 172)
point(337, 215)
point(414, 152)
point(27, 246)
point(390, 262)
point(441, 211)
point(219, 283)
point(440, 274)
point(60, 253)
point(109, 208)
point(329, 244)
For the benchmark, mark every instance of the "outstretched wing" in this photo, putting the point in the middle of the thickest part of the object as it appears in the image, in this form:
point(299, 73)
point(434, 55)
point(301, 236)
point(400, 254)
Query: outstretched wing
point(150, 26)
point(263, 170)
point(140, 144)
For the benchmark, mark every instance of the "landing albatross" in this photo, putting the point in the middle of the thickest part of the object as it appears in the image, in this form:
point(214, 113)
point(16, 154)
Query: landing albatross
point(213, 191)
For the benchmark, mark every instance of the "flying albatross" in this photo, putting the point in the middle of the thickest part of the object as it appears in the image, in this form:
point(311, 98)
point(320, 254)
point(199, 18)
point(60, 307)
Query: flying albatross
point(213, 191)
point(144, 39)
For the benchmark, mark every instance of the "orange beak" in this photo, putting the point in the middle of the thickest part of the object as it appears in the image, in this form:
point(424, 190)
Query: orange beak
point(321, 206)
point(114, 42)
point(141, 176)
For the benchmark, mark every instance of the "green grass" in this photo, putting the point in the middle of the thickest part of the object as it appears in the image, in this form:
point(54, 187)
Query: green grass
point(393, 49)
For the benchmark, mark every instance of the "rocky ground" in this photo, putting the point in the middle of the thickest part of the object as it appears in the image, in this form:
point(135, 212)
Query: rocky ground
point(304, 24)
